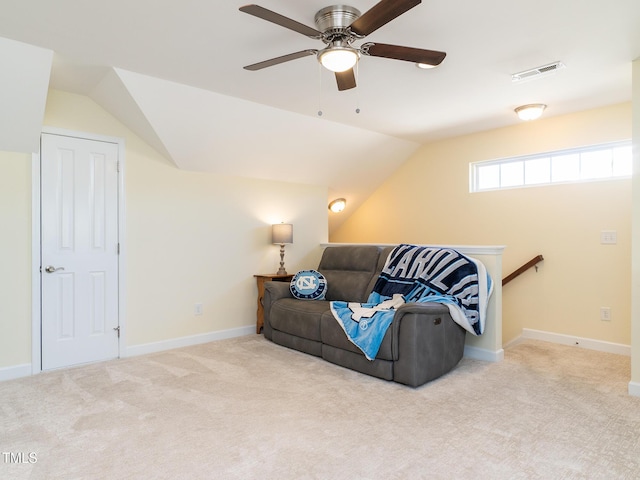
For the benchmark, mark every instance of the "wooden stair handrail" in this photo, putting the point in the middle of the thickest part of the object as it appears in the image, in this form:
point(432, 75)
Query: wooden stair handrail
point(531, 263)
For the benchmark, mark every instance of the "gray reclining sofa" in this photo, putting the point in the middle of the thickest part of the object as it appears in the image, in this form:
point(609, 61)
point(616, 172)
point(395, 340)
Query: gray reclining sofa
point(422, 343)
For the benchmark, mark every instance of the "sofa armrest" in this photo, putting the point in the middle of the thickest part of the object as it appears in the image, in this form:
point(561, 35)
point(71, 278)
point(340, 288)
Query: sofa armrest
point(273, 291)
point(426, 342)
point(414, 312)
point(429, 310)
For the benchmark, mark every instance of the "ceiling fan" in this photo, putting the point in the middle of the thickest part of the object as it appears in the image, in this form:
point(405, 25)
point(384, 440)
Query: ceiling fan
point(338, 27)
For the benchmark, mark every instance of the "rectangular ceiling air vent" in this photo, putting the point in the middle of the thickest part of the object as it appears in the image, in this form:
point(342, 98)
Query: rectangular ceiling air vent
point(537, 72)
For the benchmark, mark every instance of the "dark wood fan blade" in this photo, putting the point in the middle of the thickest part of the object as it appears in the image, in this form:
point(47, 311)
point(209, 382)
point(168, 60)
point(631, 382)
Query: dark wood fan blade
point(273, 17)
point(282, 59)
point(346, 79)
point(408, 54)
point(380, 14)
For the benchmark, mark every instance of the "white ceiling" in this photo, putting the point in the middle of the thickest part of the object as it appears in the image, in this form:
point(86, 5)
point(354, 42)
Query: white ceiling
point(156, 61)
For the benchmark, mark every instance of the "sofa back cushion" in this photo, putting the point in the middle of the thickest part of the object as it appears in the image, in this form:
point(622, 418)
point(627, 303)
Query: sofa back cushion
point(349, 271)
point(382, 259)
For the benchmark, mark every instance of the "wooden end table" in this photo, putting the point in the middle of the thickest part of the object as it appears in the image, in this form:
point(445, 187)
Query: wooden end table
point(268, 277)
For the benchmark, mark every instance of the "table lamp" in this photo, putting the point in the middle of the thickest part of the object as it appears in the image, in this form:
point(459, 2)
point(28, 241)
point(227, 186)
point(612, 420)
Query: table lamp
point(282, 234)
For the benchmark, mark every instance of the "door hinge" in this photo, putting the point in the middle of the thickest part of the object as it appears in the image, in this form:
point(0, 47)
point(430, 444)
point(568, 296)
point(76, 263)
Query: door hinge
point(118, 167)
point(118, 249)
point(117, 329)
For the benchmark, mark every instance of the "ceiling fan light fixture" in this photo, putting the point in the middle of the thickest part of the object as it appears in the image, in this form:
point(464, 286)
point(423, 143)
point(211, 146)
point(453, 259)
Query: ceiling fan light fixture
point(425, 66)
point(338, 26)
point(338, 59)
point(531, 111)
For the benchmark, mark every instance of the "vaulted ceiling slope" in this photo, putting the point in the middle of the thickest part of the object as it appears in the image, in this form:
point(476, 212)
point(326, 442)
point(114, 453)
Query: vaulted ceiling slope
point(172, 71)
point(201, 130)
point(206, 131)
point(23, 94)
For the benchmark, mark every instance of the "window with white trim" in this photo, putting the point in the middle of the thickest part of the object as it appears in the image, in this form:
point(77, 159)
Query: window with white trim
point(598, 162)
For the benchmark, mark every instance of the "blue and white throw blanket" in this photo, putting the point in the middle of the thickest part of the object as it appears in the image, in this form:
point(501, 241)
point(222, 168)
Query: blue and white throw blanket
point(418, 274)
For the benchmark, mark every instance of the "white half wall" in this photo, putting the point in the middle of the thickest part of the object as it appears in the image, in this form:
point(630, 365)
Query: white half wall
point(634, 385)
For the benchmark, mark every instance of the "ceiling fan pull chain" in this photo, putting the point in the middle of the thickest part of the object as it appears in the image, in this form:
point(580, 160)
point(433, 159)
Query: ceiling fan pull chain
point(319, 89)
point(358, 91)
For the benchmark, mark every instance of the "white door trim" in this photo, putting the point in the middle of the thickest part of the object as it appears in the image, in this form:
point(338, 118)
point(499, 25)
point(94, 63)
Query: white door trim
point(36, 292)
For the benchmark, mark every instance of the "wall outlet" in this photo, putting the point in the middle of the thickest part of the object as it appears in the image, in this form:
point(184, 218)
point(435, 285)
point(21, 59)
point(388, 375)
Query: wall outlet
point(605, 314)
point(197, 309)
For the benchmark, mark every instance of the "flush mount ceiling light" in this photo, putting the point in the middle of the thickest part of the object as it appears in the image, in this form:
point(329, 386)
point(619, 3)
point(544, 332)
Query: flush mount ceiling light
point(531, 111)
point(338, 205)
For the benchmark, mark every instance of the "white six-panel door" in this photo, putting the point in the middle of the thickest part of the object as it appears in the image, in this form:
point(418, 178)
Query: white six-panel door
point(79, 250)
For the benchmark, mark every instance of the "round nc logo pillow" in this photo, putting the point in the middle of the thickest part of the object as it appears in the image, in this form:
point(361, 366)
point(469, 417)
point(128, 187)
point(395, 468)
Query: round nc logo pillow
point(308, 285)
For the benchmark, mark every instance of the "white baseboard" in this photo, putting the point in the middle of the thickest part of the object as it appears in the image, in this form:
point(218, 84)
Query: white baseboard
point(587, 343)
point(483, 354)
point(634, 389)
point(16, 371)
point(145, 348)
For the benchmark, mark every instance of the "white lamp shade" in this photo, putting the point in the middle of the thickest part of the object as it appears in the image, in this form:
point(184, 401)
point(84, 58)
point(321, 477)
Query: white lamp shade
point(282, 233)
point(338, 59)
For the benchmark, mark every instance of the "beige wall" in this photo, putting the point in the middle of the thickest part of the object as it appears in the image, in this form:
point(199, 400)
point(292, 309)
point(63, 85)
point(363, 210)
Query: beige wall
point(427, 201)
point(15, 258)
point(190, 237)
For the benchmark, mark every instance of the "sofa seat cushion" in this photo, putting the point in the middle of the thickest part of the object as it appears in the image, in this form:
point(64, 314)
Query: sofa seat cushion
point(299, 317)
point(333, 334)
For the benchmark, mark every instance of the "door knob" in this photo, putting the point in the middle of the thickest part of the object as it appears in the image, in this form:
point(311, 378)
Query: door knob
point(51, 269)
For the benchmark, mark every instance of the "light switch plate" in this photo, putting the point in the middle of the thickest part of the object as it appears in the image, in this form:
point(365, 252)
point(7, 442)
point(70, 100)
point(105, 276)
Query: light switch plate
point(608, 237)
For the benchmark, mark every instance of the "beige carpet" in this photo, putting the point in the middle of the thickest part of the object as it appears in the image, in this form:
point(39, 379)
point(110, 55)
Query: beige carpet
point(246, 408)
